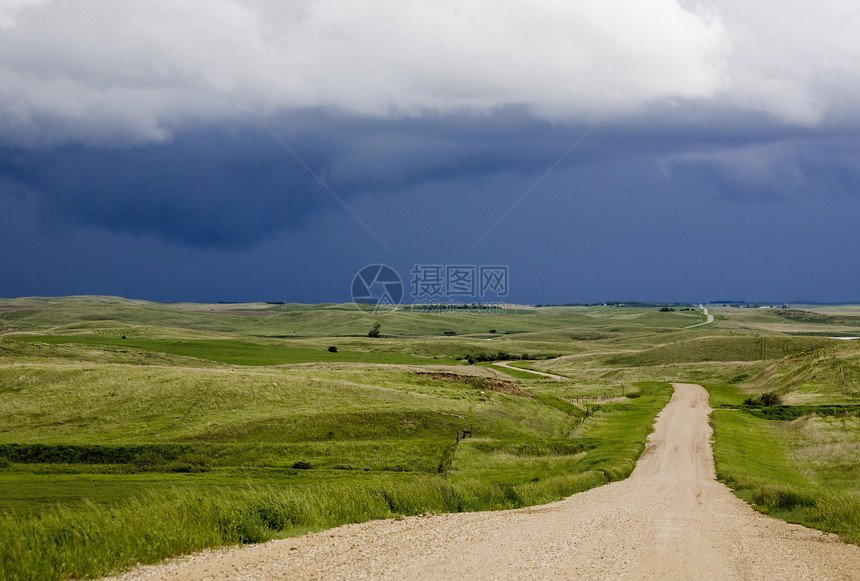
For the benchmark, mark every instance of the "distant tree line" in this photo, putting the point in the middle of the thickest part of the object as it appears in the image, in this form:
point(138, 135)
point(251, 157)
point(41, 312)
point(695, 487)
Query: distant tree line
point(503, 356)
point(627, 304)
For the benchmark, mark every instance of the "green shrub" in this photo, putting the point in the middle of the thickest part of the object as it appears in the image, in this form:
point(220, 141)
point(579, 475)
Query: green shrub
point(765, 400)
point(90, 453)
point(148, 462)
point(374, 331)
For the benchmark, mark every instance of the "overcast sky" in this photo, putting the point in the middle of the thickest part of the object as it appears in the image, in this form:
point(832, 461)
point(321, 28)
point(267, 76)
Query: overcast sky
point(212, 150)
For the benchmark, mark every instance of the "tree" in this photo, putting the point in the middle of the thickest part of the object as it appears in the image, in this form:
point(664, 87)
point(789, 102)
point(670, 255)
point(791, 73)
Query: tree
point(374, 331)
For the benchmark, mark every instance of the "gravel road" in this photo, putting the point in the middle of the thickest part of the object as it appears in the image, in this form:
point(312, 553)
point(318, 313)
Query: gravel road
point(709, 319)
point(670, 520)
point(507, 365)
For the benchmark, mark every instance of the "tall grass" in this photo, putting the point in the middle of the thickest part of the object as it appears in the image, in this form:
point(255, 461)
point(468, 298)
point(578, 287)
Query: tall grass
point(96, 540)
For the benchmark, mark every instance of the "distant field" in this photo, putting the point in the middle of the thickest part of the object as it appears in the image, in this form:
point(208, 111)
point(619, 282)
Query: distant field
point(234, 352)
point(242, 424)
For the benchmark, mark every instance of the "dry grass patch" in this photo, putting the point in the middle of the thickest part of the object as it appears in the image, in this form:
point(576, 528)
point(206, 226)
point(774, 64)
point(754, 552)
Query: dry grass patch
point(826, 441)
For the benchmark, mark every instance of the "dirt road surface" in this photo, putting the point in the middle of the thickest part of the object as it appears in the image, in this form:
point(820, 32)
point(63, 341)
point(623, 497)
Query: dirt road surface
point(710, 319)
point(507, 365)
point(670, 520)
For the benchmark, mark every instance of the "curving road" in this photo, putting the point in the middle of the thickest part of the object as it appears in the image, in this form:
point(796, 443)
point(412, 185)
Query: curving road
point(507, 365)
point(710, 319)
point(670, 520)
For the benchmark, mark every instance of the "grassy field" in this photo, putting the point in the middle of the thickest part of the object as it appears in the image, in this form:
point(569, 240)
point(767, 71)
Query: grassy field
point(131, 431)
point(803, 470)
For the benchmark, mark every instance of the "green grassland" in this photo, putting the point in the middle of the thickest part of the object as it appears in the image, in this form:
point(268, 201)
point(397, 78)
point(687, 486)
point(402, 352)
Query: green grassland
point(131, 431)
point(803, 470)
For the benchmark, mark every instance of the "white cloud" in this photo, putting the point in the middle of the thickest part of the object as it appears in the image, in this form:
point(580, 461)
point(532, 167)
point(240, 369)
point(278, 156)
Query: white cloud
point(798, 60)
point(9, 10)
point(135, 70)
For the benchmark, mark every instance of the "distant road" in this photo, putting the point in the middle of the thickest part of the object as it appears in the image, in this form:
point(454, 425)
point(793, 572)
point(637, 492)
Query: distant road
point(670, 520)
point(710, 319)
point(506, 365)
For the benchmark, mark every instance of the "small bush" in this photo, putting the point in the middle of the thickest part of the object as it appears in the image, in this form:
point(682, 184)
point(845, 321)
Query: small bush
point(332, 349)
point(148, 461)
point(302, 465)
point(769, 399)
point(4, 462)
point(764, 400)
point(500, 356)
point(374, 331)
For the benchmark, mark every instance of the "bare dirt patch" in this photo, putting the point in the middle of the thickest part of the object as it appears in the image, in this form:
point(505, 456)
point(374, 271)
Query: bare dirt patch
point(479, 382)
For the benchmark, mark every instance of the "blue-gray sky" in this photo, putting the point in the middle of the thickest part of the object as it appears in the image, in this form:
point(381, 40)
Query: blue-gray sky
point(267, 150)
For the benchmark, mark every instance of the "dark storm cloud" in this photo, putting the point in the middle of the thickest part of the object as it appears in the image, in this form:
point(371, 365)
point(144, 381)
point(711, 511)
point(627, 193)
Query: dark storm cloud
point(821, 165)
point(146, 119)
point(236, 186)
point(205, 189)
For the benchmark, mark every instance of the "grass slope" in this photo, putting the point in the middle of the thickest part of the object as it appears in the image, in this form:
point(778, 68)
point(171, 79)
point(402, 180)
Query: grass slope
point(231, 351)
point(389, 461)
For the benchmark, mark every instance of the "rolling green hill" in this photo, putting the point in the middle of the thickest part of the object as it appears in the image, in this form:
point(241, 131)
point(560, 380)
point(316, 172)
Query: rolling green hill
point(241, 422)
